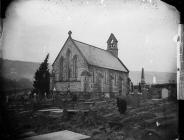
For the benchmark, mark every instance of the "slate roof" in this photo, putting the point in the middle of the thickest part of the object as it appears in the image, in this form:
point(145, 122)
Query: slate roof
point(99, 57)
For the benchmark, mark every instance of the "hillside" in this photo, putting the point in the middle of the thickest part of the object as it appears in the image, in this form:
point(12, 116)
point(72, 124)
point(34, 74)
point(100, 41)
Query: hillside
point(21, 69)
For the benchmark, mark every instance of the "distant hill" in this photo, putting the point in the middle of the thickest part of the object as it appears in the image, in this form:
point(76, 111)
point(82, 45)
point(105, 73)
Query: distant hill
point(21, 69)
point(18, 69)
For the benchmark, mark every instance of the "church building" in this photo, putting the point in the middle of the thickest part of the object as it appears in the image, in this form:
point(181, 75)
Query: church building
point(83, 68)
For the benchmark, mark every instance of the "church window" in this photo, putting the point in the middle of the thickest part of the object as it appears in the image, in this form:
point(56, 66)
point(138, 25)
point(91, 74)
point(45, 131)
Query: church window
point(93, 76)
point(115, 79)
point(68, 73)
point(61, 68)
point(75, 66)
point(105, 76)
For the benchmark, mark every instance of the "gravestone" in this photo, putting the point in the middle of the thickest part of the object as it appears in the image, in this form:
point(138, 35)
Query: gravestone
point(107, 95)
point(164, 93)
point(151, 135)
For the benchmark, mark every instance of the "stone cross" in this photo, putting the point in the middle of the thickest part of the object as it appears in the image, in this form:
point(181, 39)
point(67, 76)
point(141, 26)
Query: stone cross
point(69, 33)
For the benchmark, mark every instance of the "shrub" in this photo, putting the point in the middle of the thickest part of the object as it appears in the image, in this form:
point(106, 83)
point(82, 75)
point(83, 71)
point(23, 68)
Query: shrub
point(122, 105)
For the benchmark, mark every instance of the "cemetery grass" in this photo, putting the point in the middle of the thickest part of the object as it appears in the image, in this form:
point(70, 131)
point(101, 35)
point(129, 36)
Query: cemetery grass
point(102, 122)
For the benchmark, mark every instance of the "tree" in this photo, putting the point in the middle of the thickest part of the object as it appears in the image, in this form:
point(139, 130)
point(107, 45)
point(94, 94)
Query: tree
point(41, 83)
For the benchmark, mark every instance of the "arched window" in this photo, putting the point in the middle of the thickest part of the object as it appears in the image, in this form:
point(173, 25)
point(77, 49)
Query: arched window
point(115, 80)
point(105, 77)
point(93, 76)
point(75, 66)
point(68, 74)
point(61, 68)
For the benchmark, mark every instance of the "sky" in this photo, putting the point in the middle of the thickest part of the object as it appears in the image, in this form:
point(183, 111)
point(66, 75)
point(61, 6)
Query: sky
point(145, 30)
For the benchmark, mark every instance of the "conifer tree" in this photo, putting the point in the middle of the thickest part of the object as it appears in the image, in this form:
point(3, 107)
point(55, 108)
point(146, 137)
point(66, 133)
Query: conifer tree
point(41, 83)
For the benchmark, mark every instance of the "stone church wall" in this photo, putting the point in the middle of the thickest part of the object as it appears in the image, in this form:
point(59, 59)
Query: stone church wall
point(74, 86)
point(101, 80)
point(107, 81)
point(81, 66)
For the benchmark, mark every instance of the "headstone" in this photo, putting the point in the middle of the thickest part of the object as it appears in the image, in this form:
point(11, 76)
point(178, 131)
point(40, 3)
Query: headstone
point(164, 93)
point(34, 97)
point(107, 95)
point(151, 135)
point(154, 80)
point(45, 95)
point(7, 98)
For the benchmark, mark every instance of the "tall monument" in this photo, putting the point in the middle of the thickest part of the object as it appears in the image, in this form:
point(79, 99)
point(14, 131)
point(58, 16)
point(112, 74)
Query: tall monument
point(142, 77)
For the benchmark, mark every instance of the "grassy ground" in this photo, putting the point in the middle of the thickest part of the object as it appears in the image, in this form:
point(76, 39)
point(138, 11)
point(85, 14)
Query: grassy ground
point(103, 121)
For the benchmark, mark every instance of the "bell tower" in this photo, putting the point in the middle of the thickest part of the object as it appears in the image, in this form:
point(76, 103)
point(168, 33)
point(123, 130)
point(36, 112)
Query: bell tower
point(112, 43)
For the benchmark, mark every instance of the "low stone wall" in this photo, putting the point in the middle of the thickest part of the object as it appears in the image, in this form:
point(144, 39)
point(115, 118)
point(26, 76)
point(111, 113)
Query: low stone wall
point(86, 95)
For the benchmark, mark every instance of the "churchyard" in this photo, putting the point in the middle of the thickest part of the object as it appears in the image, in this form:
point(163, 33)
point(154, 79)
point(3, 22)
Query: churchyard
point(99, 118)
